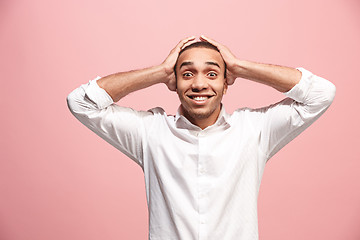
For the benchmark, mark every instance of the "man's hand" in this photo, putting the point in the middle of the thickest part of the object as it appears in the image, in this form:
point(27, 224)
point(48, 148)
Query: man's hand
point(170, 62)
point(228, 57)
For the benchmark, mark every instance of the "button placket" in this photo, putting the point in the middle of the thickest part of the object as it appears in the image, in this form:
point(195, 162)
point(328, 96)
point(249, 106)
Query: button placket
point(202, 185)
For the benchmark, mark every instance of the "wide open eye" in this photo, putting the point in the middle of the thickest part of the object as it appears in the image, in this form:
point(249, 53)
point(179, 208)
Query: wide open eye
point(187, 74)
point(212, 74)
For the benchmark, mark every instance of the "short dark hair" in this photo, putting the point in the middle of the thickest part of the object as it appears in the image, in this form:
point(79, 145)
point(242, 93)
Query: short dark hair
point(199, 45)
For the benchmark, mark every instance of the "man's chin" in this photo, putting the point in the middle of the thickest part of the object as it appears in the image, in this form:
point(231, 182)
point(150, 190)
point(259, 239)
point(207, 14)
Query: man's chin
point(199, 114)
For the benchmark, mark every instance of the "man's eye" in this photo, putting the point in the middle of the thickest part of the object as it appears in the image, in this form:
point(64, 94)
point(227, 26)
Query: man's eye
point(212, 74)
point(187, 74)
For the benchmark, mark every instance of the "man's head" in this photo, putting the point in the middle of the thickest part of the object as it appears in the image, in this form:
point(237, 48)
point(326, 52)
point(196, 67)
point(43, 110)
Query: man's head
point(201, 82)
point(198, 45)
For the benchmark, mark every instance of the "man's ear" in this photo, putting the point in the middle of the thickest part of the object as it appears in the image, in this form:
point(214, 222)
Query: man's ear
point(176, 88)
point(225, 86)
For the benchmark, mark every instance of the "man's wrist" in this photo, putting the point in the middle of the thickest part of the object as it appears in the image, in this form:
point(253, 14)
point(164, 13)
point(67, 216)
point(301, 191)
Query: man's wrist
point(239, 68)
point(165, 72)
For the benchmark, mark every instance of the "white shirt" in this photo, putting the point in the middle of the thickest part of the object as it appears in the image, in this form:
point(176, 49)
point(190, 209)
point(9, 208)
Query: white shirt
point(203, 184)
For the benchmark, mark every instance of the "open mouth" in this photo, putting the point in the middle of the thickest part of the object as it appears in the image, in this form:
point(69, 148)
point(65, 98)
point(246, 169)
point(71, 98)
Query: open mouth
point(201, 98)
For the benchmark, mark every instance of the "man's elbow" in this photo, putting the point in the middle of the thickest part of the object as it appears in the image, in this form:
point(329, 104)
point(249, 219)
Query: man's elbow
point(330, 93)
point(73, 103)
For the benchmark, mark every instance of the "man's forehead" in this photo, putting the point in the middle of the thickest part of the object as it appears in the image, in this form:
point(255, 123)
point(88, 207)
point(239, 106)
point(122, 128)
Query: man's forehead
point(200, 56)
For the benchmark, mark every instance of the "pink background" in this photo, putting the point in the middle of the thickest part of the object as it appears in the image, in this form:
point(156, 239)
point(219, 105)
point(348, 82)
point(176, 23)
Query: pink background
point(60, 181)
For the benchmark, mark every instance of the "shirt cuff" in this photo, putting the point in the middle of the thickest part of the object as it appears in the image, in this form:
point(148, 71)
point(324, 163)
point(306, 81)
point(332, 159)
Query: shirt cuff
point(300, 91)
point(97, 94)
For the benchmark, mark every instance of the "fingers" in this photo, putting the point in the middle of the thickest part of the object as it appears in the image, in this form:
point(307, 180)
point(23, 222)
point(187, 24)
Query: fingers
point(190, 40)
point(206, 39)
point(181, 44)
point(188, 43)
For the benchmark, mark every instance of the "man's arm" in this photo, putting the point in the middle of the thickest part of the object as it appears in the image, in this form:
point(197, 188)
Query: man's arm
point(119, 85)
point(279, 77)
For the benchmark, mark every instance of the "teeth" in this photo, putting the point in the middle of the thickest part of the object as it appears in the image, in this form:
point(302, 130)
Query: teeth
point(200, 98)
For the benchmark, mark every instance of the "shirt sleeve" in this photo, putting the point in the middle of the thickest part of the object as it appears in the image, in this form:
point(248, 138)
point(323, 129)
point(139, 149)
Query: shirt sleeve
point(120, 126)
point(306, 102)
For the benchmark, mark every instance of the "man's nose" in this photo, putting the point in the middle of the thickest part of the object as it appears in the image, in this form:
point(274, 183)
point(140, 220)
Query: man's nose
point(199, 83)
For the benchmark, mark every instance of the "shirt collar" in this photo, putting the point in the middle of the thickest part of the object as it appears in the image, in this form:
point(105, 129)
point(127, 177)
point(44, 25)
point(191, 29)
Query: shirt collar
point(182, 122)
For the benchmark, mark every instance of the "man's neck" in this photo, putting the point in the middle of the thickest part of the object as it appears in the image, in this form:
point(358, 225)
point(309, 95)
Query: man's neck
point(202, 122)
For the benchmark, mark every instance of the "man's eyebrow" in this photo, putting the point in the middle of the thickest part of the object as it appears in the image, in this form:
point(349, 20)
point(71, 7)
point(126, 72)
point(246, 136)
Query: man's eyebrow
point(191, 63)
point(213, 63)
point(186, 64)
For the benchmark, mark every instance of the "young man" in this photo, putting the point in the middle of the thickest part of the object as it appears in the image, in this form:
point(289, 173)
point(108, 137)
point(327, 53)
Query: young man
point(203, 166)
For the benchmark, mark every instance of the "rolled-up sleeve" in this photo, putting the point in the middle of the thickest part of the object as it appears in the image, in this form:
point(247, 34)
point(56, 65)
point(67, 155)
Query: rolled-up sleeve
point(122, 127)
point(306, 102)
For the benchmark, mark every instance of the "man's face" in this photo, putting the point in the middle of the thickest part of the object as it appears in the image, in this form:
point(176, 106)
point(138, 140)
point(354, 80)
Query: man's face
point(200, 83)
